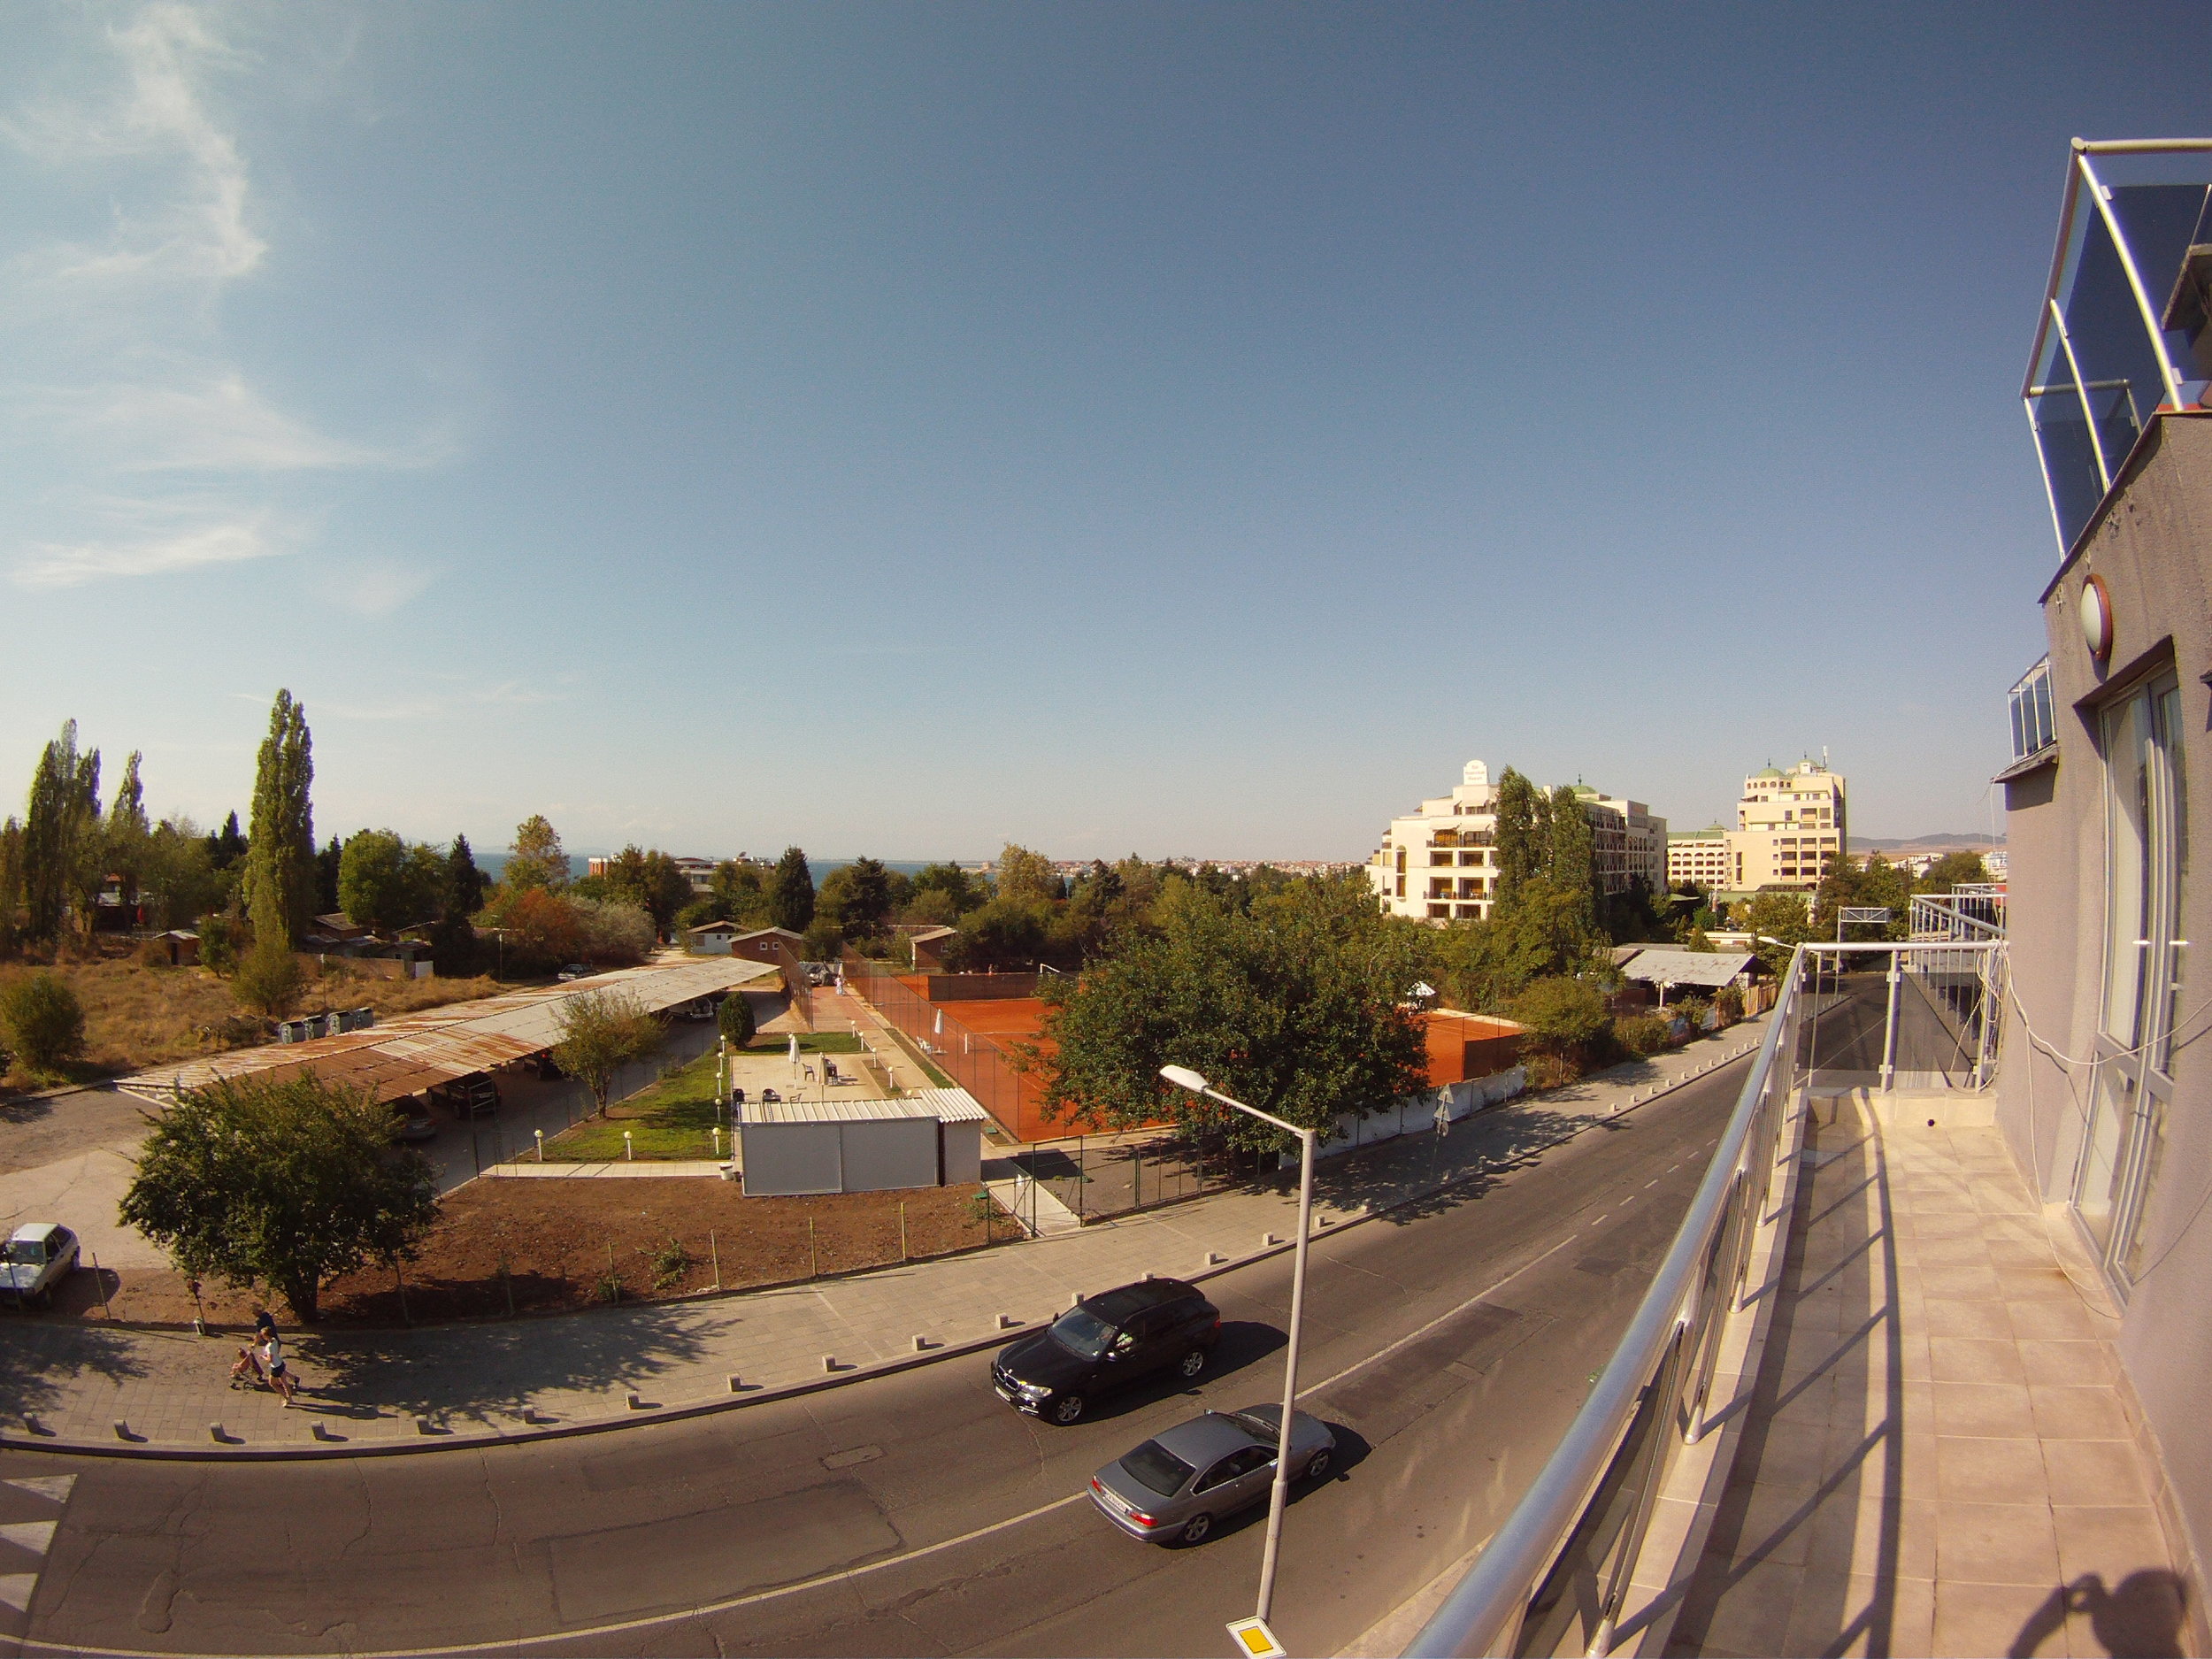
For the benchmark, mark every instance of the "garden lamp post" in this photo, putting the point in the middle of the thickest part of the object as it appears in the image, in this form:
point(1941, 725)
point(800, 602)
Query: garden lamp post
point(1183, 1077)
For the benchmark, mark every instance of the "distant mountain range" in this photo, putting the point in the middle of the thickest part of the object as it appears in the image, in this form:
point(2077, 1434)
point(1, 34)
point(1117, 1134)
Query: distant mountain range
point(1922, 843)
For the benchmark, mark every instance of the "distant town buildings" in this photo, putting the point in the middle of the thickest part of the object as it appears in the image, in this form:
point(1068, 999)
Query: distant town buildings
point(1440, 863)
point(1700, 857)
point(698, 871)
point(1789, 828)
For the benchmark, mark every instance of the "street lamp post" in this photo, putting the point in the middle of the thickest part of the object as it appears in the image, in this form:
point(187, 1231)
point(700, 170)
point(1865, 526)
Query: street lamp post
point(1183, 1077)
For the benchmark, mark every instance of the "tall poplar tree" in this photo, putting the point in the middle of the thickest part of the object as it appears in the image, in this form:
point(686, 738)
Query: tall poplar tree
point(128, 833)
point(64, 815)
point(1523, 820)
point(281, 845)
point(1571, 861)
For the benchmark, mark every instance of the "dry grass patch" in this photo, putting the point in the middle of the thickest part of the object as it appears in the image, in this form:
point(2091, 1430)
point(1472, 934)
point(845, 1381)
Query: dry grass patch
point(136, 1016)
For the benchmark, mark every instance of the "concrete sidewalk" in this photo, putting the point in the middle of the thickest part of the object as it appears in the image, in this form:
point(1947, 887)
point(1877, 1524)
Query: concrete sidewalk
point(71, 1384)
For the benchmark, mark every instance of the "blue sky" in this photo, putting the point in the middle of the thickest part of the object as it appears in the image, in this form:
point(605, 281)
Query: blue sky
point(901, 429)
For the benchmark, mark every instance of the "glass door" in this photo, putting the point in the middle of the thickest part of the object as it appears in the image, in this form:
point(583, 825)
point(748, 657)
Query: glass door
point(2145, 845)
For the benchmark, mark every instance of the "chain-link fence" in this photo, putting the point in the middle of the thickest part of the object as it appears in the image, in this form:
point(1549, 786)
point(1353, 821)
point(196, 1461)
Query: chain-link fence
point(974, 1062)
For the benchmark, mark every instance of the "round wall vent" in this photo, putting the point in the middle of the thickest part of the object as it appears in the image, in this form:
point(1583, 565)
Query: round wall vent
point(2096, 618)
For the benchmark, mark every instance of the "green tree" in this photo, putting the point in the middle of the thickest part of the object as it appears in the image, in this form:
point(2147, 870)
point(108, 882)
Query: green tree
point(738, 893)
point(536, 859)
point(386, 883)
point(329, 866)
point(1563, 1016)
point(60, 831)
point(857, 896)
point(1008, 934)
point(735, 1019)
point(268, 979)
point(1570, 858)
point(1952, 870)
point(1542, 931)
point(1778, 922)
point(454, 950)
point(958, 888)
point(1875, 883)
point(1026, 875)
point(1524, 816)
point(1297, 1007)
point(177, 877)
point(127, 834)
point(279, 887)
point(226, 846)
point(465, 883)
point(665, 890)
point(289, 1183)
point(601, 1031)
point(43, 1022)
point(791, 891)
point(10, 882)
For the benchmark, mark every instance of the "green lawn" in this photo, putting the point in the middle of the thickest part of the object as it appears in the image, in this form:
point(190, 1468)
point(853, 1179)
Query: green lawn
point(809, 1042)
point(674, 1118)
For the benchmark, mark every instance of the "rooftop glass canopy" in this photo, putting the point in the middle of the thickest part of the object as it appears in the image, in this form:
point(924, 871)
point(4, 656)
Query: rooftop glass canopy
point(2124, 325)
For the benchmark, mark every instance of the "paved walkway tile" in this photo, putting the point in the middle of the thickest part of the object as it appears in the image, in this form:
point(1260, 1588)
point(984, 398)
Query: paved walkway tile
point(77, 1379)
point(1937, 1459)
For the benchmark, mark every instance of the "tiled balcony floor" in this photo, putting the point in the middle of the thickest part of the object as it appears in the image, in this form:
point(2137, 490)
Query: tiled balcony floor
point(1936, 1460)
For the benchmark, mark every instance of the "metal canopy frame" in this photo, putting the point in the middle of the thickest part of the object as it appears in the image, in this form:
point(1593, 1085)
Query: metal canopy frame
point(2073, 226)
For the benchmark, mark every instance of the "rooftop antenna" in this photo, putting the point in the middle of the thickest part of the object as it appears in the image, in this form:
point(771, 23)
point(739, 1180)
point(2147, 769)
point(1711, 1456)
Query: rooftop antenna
point(1824, 757)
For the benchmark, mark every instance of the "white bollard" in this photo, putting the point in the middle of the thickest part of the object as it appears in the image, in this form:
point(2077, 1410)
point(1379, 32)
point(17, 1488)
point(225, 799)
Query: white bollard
point(541, 1135)
point(628, 1154)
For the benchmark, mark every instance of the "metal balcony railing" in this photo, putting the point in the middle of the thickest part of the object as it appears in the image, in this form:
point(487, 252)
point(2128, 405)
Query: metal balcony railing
point(1553, 1577)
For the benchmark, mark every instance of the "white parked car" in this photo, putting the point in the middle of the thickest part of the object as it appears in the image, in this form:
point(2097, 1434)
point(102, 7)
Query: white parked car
point(40, 1255)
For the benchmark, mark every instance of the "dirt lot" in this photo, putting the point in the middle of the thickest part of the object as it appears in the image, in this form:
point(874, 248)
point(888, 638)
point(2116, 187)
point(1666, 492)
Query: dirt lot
point(138, 1015)
point(554, 1244)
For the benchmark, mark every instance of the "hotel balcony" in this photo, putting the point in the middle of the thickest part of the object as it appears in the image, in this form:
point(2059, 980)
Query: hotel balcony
point(1871, 1403)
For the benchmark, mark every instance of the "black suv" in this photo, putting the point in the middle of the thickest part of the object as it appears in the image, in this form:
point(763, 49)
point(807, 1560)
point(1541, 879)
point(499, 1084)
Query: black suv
point(1107, 1341)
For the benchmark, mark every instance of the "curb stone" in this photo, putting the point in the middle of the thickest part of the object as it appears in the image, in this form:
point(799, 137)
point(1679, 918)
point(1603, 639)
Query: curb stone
point(527, 1432)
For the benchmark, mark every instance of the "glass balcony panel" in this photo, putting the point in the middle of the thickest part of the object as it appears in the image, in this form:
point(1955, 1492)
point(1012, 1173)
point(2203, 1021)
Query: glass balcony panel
point(2069, 457)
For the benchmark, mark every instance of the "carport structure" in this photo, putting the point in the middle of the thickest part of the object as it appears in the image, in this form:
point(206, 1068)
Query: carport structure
point(443, 1044)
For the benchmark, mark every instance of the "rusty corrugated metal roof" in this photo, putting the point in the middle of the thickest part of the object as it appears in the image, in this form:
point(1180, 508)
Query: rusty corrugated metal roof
point(438, 1045)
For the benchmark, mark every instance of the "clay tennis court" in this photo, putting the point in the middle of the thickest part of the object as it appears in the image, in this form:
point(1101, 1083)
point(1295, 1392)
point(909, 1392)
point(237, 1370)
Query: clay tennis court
point(1015, 1024)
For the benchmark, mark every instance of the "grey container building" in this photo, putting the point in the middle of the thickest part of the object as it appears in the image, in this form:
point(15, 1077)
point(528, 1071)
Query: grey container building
point(934, 1139)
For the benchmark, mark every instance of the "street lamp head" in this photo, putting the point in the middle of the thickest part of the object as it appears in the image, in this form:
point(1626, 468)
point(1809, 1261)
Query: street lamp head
point(1183, 1077)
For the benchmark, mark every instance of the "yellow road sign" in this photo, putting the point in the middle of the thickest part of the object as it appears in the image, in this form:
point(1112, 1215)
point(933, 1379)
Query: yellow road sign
point(1255, 1641)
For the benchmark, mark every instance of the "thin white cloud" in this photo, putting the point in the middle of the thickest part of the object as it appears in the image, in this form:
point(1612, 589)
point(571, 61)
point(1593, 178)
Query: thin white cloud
point(58, 564)
point(213, 422)
point(137, 396)
point(376, 587)
point(203, 233)
point(459, 701)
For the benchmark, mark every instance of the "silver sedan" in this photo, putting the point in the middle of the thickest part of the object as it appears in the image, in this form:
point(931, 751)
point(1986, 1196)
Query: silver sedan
point(1173, 1488)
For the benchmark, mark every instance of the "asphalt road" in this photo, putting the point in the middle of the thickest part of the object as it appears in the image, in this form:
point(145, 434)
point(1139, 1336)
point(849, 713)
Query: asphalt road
point(917, 1513)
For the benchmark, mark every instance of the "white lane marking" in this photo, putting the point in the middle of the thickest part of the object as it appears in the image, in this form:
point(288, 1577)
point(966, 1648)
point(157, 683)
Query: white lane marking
point(1650, 1184)
point(842, 1575)
point(35, 1536)
point(1413, 1336)
point(53, 1487)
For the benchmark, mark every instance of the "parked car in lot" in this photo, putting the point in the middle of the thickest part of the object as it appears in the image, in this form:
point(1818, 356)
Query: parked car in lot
point(1108, 1341)
point(1176, 1485)
point(574, 970)
point(40, 1255)
point(411, 1120)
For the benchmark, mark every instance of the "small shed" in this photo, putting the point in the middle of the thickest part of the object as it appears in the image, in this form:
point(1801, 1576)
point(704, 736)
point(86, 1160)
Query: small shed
point(1671, 969)
point(859, 1145)
point(712, 938)
point(183, 944)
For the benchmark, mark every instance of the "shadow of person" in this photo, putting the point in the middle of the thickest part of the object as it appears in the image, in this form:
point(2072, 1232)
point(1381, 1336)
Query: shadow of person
point(2142, 1618)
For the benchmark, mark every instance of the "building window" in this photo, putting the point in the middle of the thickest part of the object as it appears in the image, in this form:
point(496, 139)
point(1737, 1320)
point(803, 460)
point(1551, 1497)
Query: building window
point(2146, 853)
